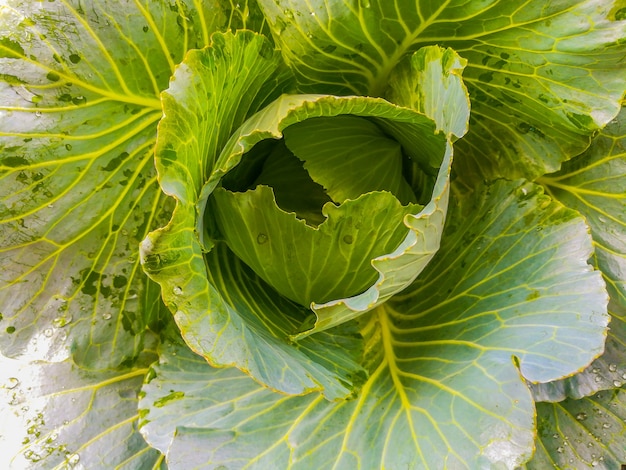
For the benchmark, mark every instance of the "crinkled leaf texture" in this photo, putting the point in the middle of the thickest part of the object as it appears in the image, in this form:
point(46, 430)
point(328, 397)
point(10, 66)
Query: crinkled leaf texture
point(209, 291)
point(79, 107)
point(225, 312)
point(416, 133)
point(542, 76)
point(501, 302)
point(595, 185)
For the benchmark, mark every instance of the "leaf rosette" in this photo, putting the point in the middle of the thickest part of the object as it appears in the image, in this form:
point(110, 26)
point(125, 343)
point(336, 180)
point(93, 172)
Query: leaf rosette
point(295, 213)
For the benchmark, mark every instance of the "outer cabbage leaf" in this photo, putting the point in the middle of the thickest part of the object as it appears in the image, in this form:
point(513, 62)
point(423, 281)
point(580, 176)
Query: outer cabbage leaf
point(70, 418)
point(584, 433)
point(78, 118)
point(595, 185)
point(542, 77)
point(446, 387)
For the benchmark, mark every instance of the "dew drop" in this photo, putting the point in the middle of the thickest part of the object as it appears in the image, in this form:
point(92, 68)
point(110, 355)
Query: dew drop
point(261, 239)
point(48, 332)
point(38, 113)
point(60, 322)
point(617, 383)
point(598, 379)
point(348, 239)
point(555, 435)
point(602, 219)
point(50, 206)
point(581, 416)
point(288, 14)
point(106, 316)
point(559, 450)
point(73, 459)
point(606, 425)
point(178, 291)
point(612, 367)
point(595, 370)
point(12, 383)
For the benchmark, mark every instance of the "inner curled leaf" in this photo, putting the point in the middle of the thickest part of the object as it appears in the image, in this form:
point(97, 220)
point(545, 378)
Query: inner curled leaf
point(331, 192)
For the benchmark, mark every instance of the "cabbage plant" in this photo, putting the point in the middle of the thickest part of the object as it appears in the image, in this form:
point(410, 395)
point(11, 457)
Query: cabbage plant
point(313, 234)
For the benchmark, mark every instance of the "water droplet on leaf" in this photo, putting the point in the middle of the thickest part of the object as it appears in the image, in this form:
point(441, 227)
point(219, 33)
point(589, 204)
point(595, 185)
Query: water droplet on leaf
point(48, 332)
point(106, 316)
point(261, 239)
point(348, 239)
point(73, 459)
point(12, 383)
point(612, 367)
point(177, 291)
point(581, 416)
point(60, 322)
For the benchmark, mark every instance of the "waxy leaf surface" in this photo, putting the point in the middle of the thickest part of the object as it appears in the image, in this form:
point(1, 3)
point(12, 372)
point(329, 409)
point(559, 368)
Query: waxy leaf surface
point(595, 185)
point(585, 433)
point(78, 116)
point(446, 361)
point(69, 418)
point(542, 77)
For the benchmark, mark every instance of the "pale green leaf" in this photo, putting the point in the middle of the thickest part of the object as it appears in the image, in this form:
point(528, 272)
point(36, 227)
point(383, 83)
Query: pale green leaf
point(580, 434)
point(595, 185)
point(311, 264)
point(78, 114)
point(499, 303)
point(68, 418)
point(430, 82)
point(431, 157)
point(349, 156)
point(224, 312)
point(542, 77)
